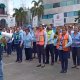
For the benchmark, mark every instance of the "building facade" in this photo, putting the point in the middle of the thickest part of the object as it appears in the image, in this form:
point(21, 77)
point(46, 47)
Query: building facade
point(3, 13)
point(69, 8)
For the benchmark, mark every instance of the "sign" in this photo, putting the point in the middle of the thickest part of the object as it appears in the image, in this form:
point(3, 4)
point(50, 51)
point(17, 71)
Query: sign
point(35, 21)
point(59, 19)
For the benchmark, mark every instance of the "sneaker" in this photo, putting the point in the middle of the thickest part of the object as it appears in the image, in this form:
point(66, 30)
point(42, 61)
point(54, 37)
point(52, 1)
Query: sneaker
point(42, 66)
point(46, 62)
point(65, 71)
point(38, 65)
point(74, 67)
point(62, 71)
point(78, 67)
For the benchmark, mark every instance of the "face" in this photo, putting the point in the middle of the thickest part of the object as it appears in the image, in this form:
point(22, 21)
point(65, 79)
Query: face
point(40, 28)
point(64, 31)
point(27, 31)
point(17, 30)
point(75, 29)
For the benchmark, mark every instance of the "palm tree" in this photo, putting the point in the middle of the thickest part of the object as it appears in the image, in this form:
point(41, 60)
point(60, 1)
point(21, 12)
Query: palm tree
point(78, 18)
point(20, 16)
point(37, 9)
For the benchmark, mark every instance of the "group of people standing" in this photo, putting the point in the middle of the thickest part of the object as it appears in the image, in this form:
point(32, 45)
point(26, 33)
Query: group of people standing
point(47, 42)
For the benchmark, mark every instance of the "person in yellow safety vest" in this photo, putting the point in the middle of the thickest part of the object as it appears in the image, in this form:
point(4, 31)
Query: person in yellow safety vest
point(50, 45)
point(41, 39)
point(64, 41)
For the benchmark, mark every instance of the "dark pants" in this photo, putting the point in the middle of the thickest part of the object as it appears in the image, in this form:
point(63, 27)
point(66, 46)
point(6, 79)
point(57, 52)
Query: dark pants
point(76, 55)
point(64, 60)
point(56, 54)
point(41, 53)
point(34, 49)
point(28, 53)
point(19, 52)
point(9, 48)
point(50, 48)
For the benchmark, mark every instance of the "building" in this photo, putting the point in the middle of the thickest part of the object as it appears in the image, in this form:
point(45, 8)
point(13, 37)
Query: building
point(68, 7)
point(3, 13)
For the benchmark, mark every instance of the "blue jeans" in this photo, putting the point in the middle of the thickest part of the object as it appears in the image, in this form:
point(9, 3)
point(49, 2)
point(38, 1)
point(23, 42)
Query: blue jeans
point(1, 71)
point(64, 60)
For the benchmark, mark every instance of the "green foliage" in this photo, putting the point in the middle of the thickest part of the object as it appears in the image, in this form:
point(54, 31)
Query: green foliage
point(20, 15)
point(37, 9)
point(2, 5)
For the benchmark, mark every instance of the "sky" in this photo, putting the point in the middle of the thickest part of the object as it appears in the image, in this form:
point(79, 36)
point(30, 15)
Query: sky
point(18, 3)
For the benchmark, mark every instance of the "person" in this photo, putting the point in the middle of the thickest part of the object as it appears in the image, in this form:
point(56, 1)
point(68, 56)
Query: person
point(64, 41)
point(32, 32)
point(57, 50)
point(9, 46)
point(18, 42)
point(50, 46)
point(1, 68)
point(28, 44)
point(76, 48)
point(41, 38)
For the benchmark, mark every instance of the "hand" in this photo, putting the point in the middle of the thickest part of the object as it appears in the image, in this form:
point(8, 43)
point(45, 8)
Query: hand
point(20, 45)
point(64, 47)
point(44, 46)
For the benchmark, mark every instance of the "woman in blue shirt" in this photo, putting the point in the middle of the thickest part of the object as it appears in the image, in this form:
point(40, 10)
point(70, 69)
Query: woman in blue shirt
point(28, 44)
point(76, 48)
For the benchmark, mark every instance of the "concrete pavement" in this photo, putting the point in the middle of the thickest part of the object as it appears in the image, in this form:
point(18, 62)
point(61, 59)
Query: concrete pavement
point(28, 71)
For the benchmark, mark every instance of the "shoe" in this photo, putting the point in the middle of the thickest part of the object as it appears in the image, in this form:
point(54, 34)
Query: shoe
point(16, 61)
point(19, 61)
point(38, 65)
point(52, 64)
point(78, 67)
point(65, 71)
point(46, 62)
point(62, 71)
point(74, 67)
point(43, 66)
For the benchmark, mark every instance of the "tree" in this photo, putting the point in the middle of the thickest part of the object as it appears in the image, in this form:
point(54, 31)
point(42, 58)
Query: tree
point(78, 18)
point(20, 16)
point(37, 9)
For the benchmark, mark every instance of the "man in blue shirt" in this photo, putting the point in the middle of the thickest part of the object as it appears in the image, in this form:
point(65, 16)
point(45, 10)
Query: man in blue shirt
point(18, 42)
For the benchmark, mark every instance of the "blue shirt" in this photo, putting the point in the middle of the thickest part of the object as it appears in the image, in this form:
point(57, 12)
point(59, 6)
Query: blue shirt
point(27, 40)
point(75, 40)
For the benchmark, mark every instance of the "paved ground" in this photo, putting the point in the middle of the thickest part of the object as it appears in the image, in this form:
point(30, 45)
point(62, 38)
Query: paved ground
point(29, 71)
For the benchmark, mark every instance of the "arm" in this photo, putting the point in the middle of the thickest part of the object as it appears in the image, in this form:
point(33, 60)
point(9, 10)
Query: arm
point(45, 37)
point(70, 42)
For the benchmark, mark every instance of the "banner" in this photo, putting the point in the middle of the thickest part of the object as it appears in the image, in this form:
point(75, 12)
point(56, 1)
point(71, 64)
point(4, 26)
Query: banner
point(59, 19)
point(35, 21)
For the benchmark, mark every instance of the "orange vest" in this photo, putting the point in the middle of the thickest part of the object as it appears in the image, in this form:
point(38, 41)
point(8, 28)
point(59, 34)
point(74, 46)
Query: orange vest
point(64, 41)
point(40, 37)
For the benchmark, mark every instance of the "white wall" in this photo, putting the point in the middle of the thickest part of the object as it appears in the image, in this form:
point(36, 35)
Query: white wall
point(62, 9)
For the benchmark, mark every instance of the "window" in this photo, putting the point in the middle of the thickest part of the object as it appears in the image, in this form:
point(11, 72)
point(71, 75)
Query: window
point(50, 16)
point(45, 17)
point(63, 3)
point(65, 14)
point(77, 1)
point(70, 2)
point(55, 5)
point(64, 20)
point(75, 13)
point(48, 6)
point(70, 14)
